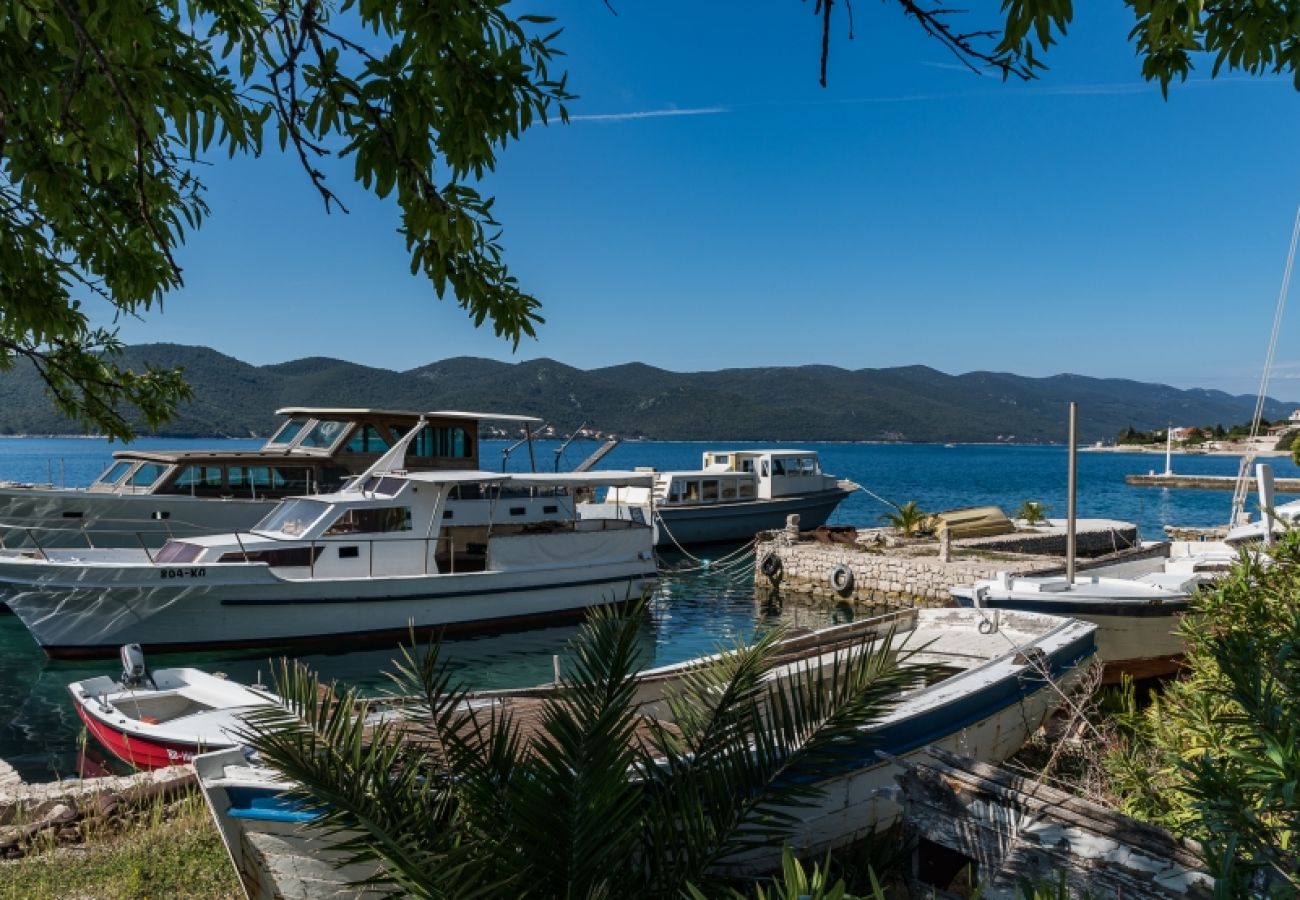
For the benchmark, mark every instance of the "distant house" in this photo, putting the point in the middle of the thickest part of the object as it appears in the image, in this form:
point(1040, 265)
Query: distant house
point(1295, 417)
point(1182, 434)
point(1284, 427)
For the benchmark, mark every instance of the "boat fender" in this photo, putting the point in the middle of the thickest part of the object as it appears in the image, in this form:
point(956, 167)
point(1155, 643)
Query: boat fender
point(987, 625)
point(842, 579)
point(771, 566)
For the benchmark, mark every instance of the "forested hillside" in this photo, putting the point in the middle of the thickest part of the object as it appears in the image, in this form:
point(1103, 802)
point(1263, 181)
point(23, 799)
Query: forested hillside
point(804, 403)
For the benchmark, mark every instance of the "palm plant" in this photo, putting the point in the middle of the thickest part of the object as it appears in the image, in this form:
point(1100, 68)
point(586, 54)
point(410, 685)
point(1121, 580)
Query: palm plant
point(598, 799)
point(1032, 512)
point(908, 518)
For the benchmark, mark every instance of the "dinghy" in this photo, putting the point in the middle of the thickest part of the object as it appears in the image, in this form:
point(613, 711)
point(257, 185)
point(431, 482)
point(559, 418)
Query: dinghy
point(163, 718)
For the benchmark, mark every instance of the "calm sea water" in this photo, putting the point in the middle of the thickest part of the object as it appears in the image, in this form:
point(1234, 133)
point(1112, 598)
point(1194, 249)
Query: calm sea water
point(695, 609)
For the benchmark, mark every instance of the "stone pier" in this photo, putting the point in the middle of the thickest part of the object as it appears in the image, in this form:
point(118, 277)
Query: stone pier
point(879, 569)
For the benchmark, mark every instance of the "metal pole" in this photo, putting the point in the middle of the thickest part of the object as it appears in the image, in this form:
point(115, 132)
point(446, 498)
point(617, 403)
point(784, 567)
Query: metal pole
point(532, 458)
point(1071, 490)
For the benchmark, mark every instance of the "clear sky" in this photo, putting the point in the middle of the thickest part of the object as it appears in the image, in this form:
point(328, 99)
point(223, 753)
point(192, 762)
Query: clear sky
point(711, 206)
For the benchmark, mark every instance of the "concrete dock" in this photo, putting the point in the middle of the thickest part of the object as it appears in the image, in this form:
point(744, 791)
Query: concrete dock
point(1207, 482)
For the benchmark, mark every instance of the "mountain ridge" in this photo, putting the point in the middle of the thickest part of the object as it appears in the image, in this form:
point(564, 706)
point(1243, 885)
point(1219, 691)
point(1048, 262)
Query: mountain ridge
point(635, 399)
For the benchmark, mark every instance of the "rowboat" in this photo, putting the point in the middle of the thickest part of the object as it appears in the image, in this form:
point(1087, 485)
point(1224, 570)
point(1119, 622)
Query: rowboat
point(1005, 673)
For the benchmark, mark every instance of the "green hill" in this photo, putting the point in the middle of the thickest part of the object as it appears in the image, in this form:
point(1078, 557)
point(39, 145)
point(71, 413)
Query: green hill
point(803, 403)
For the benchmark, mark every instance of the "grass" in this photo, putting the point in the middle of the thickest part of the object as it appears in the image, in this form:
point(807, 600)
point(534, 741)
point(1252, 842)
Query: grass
point(172, 851)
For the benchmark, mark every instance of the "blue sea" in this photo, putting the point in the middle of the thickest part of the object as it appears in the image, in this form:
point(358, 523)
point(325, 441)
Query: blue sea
point(697, 607)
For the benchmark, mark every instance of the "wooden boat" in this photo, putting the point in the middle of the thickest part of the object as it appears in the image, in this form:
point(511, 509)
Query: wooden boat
point(972, 522)
point(1137, 621)
point(152, 720)
point(735, 495)
point(1006, 673)
point(440, 551)
point(145, 498)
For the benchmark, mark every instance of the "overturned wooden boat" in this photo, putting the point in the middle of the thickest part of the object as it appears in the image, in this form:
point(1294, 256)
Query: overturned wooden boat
point(1005, 673)
point(1016, 831)
point(152, 720)
point(1137, 621)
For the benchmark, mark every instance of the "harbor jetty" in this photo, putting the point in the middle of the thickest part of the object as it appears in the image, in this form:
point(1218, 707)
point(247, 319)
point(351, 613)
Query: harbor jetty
point(1207, 482)
point(879, 568)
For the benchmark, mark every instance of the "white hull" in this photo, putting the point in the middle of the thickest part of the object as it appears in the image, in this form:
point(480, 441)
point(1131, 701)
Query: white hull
point(1137, 623)
point(986, 711)
point(61, 518)
point(88, 607)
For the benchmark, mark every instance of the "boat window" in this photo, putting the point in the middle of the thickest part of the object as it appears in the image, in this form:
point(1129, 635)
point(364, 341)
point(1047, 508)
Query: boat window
point(250, 478)
point(778, 467)
point(293, 517)
point(746, 465)
point(710, 489)
point(378, 484)
point(440, 440)
point(747, 489)
point(177, 552)
point(728, 490)
point(765, 472)
point(466, 492)
point(323, 434)
point(291, 479)
point(691, 492)
point(197, 479)
point(287, 432)
point(675, 492)
point(115, 472)
point(146, 474)
point(332, 479)
point(372, 520)
point(367, 439)
point(281, 556)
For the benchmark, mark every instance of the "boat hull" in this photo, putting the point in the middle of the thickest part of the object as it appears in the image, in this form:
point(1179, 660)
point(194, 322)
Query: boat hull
point(717, 523)
point(143, 752)
point(1134, 640)
point(986, 712)
point(65, 518)
point(78, 609)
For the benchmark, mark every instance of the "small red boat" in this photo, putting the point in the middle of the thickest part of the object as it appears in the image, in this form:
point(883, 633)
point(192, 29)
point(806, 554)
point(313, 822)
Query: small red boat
point(164, 718)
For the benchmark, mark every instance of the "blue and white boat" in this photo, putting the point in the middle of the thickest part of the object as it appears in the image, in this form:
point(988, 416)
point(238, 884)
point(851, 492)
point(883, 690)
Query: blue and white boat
point(736, 494)
point(1004, 675)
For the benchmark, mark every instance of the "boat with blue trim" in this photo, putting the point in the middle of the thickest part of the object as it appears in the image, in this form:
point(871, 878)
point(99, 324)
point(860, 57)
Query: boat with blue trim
point(450, 551)
point(1137, 619)
point(735, 495)
point(1000, 676)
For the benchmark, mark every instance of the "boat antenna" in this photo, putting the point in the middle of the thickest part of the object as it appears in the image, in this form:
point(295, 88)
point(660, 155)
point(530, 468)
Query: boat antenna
point(1242, 487)
point(526, 439)
point(559, 451)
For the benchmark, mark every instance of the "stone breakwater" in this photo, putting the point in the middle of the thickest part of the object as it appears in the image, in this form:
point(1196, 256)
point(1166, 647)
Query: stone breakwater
point(879, 571)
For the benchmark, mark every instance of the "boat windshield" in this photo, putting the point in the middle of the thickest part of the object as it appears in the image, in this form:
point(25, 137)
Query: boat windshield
point(293, 517)
point(115, 472)
point(323, 434)
point(288, 431)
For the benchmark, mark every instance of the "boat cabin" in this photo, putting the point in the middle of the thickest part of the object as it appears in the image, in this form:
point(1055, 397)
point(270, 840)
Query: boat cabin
point(735, 476)
point(315, 450)
point(408, 523)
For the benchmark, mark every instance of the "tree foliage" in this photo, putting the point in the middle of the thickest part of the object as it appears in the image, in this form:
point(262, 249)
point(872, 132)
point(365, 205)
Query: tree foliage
point(600, 800)
point(109, 111)
point(1217, 754)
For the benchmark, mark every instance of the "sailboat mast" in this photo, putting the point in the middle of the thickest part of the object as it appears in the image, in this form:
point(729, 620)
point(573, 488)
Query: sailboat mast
point(1070, 494)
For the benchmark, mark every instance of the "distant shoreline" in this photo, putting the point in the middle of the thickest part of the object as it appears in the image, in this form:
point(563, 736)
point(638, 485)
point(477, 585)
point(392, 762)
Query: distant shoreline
point(1160, 451)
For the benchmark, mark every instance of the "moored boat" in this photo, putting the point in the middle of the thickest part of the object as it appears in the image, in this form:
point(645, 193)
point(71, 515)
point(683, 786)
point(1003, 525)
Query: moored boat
point(435, 550)
point(1137, 620)
point(151, 720)
point(735, 495)
point(145, 498)
point(1002, 674)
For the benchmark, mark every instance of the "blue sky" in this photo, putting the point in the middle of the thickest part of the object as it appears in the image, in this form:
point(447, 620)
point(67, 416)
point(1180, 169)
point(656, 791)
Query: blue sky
point(711, 206)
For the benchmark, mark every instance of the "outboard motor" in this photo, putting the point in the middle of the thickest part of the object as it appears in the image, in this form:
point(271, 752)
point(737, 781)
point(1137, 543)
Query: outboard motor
point(134, 673)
